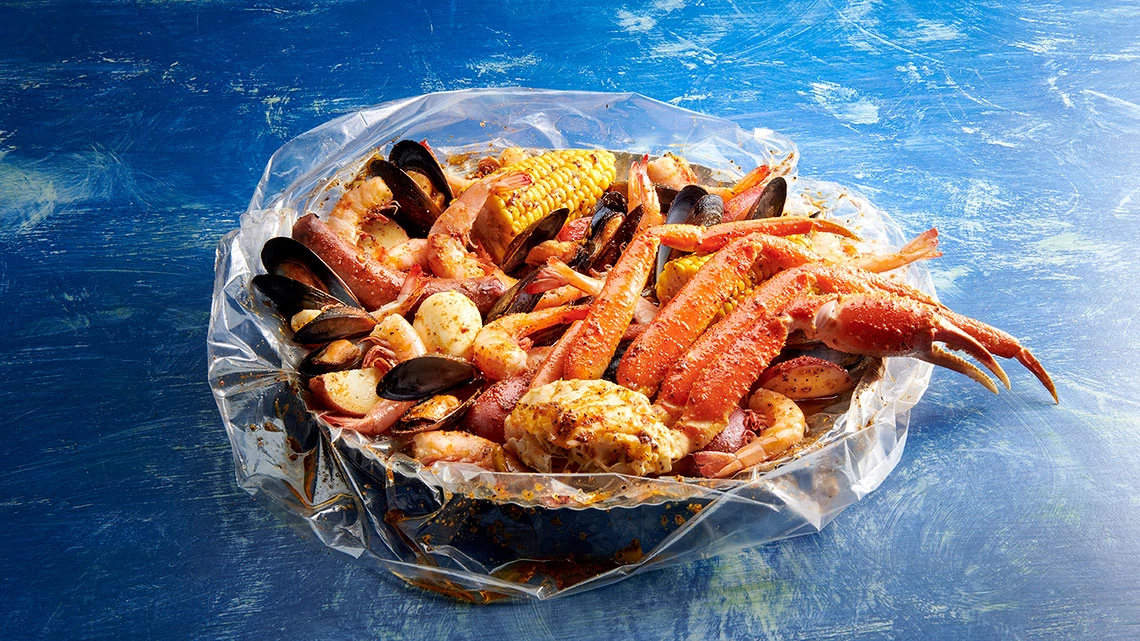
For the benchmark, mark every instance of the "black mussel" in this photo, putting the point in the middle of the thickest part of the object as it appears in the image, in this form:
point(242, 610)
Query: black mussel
point(541, 231)
point(410, 156)
point(609, 211)
point(291, 296)
point(337, 356)
point(416, 212)
point(770, 204)
point(333, 323)
point(708, 211)
point(692, 206)
point(609, 254)
point(683, 205)
point(439, 412)
point(284, 256)
point(425, 376)
point(516, 300)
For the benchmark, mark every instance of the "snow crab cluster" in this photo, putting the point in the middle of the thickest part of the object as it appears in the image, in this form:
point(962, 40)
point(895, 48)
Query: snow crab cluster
point(528, 311)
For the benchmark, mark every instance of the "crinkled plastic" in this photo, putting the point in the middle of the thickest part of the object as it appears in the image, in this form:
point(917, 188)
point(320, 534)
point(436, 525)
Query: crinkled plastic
point(481, 535)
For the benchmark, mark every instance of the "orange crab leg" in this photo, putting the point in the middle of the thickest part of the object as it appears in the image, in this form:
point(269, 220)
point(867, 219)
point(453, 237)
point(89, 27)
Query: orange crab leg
point(841, 279)
point(876, 324)
point(613, 309)
point(764, 301)
point(723, 383)
point(688, 313)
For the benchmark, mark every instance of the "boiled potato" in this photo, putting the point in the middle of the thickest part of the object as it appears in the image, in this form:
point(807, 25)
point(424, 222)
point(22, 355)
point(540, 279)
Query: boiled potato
point(448, 323)
point(351, 392)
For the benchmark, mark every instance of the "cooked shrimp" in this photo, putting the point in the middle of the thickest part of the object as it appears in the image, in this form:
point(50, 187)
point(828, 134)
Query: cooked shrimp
point(498, 352)
point(642, 193)
point(450, 235)
point(358, 218)
point(407, 255)
point(462, 447)
point(785, 426)
point(671, 171)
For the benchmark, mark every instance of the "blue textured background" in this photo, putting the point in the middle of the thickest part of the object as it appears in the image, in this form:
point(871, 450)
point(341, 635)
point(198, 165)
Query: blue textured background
point(132, 135)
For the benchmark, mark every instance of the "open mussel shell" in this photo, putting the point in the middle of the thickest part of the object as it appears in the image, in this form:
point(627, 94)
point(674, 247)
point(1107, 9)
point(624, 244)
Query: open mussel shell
point(440, 412)
point(291, 296)
point(284, 256)
point(410, 155)
point(335, 323)
point(516, 300)
point(692, 206)
point(610, 207)
point(770, 204)
point(416, 212)
point(612, 250)
point(425, 376)
point(541, 231)
point(337, 356)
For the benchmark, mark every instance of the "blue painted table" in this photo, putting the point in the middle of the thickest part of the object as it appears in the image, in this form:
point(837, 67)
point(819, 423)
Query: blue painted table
point(131, 136)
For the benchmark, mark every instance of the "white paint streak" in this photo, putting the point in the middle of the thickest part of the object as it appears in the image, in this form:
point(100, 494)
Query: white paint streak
point(845, 103)
point(927, 31)
point(1052, 82)
point(1124, 206)
point(1131, 107)
point(503, 64)
point(635, 23)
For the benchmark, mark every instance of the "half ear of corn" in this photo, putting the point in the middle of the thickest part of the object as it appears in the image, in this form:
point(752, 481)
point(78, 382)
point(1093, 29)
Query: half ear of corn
point(571, 178)
point(680, 270)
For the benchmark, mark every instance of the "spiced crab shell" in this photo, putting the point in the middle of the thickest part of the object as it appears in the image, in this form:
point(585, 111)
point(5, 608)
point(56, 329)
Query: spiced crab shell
point(481, 535)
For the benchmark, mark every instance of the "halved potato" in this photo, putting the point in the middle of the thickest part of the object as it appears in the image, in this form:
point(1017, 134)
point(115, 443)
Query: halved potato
point(351, 392)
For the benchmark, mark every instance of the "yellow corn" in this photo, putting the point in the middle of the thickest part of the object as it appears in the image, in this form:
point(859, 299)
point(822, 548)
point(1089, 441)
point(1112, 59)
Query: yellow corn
point(678, 271)
point(571, 178)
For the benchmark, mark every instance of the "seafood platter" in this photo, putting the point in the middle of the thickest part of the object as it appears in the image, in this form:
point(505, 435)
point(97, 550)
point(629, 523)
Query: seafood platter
point(526, 343)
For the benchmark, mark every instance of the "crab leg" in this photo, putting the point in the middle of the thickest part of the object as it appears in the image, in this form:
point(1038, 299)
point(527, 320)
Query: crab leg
point(841, 279)
point(687, 315)
point(880, 325)
point(612, 312)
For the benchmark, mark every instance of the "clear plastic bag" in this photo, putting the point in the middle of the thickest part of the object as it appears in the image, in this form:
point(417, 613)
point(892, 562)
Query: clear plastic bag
point(482, 535)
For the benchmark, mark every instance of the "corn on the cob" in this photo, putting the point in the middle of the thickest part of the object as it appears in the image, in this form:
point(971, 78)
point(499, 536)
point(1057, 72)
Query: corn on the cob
point(679, 271)
point(571, 178)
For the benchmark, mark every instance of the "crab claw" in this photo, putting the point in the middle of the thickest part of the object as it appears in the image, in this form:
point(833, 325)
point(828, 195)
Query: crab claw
point(883, 325)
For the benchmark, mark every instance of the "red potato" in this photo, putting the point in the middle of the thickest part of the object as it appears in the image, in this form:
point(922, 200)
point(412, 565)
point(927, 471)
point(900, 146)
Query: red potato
point(373, 283)
point(349, 392)
point(806, 377)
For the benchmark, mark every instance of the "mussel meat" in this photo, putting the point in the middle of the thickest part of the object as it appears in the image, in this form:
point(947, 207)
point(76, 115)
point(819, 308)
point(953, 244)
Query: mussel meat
point(284, 256)
point(341, 354)
point(439, 412)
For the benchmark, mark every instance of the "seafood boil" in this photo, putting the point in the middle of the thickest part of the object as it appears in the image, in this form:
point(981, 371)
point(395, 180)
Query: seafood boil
point(578, 311)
